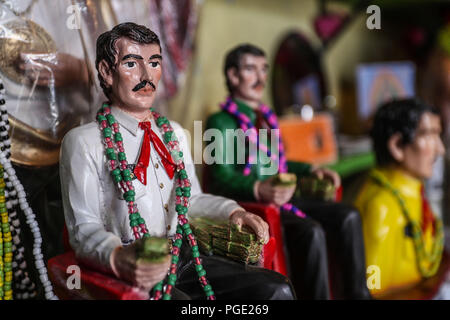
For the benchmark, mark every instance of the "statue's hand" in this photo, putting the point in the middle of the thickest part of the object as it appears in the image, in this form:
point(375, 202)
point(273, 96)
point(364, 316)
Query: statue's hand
point(324, 173)
point(270, 193)
point(256, 223)
point(139, 272)
point(63, 68)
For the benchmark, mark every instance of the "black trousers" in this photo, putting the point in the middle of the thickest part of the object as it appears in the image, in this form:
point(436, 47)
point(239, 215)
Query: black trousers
point(326, 247)
point(230, 280)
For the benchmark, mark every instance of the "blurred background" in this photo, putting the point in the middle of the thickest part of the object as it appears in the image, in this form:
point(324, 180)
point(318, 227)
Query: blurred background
point(331, 64)
point(334, 56)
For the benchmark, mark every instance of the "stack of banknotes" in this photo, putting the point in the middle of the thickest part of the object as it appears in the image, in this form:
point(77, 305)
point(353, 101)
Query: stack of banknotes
point(228, 240)
point(152, 249)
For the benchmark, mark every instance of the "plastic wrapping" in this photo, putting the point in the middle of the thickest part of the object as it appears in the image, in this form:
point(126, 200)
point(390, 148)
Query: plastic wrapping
point(42, 66)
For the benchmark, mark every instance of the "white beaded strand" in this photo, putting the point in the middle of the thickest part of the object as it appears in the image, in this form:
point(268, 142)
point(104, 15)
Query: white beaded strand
point(22, 281)
point(24, 287)
point(32, 223)
point(18, 188)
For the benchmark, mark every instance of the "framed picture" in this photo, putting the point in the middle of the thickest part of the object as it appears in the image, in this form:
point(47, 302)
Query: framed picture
point(307, 91)
point(380, 82)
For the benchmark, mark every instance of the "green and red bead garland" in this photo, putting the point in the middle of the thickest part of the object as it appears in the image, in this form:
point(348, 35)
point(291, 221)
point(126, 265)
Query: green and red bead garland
point(118, 166)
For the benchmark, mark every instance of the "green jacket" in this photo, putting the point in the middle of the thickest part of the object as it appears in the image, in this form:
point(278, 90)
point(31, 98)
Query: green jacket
point(227, 178)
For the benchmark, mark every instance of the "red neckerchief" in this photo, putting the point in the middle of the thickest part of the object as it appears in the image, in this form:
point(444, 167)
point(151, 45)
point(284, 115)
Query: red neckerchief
point(140, 171)
point(427, 213)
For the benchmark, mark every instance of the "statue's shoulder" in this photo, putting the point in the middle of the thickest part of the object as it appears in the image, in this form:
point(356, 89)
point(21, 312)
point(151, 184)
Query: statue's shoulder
point(221, 120)
point(88, 133)
point(85, 129)
point(175, 125)
point(180, 132)
point(375, 198)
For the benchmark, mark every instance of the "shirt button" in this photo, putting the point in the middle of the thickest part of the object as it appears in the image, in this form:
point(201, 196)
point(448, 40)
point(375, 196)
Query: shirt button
point(156, 165)
point(168, 227)
point(166, 206)
point(161, 185)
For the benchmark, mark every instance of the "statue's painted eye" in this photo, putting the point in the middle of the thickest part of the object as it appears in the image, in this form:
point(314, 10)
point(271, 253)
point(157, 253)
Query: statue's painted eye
point(154, 64)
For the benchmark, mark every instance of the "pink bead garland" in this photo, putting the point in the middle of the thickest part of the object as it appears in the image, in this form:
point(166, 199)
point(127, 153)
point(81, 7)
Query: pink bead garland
point(245, 123)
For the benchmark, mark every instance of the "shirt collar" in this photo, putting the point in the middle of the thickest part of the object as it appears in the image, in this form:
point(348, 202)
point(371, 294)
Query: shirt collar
point(125, 120)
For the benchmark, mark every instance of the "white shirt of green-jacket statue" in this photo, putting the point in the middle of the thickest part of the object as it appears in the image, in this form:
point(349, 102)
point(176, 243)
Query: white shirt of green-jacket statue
point(96, 214)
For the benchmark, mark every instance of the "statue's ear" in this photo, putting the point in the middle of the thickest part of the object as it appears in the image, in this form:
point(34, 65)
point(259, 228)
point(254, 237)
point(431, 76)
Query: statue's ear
point(233, 76)
point(106, 72)
point(395, 147)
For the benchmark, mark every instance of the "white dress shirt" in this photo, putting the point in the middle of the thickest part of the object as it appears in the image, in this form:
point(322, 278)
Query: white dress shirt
point(96, 214)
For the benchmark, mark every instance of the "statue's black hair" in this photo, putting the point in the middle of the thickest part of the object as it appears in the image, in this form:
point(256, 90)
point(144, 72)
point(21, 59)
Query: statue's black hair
point(106, 45)
point(396, 116)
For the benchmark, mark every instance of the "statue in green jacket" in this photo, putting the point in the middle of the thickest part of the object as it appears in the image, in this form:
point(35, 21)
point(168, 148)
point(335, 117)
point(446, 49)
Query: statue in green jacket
point(248, 164)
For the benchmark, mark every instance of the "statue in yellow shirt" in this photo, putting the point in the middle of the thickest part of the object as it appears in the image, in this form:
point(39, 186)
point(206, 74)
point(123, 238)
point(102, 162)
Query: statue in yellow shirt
point(403, 240)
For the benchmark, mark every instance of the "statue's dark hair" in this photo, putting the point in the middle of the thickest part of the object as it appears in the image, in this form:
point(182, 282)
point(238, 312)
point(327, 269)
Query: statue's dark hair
point(233, 59)
point(396, 116)
point(106, 45)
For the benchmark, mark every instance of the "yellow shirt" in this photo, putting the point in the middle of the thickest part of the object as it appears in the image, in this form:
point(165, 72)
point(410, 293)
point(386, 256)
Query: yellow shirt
point(386, 244)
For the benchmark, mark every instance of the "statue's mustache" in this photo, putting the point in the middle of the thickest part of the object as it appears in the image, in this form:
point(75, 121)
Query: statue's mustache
point(142, 85)
point(258, 83)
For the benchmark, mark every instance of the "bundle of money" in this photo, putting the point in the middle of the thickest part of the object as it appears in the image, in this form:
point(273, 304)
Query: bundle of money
point(225, 239)
point(245, 259)
point(152, 249)
point(313, 188)
point(203, 237)
point(242, 252)
point(233, 233)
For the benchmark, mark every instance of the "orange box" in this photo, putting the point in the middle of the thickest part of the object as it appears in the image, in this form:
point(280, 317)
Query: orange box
point(309, 141)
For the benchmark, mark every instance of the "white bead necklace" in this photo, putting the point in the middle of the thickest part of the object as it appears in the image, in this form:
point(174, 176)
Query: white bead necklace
point(16, 190)
point(24, 288)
